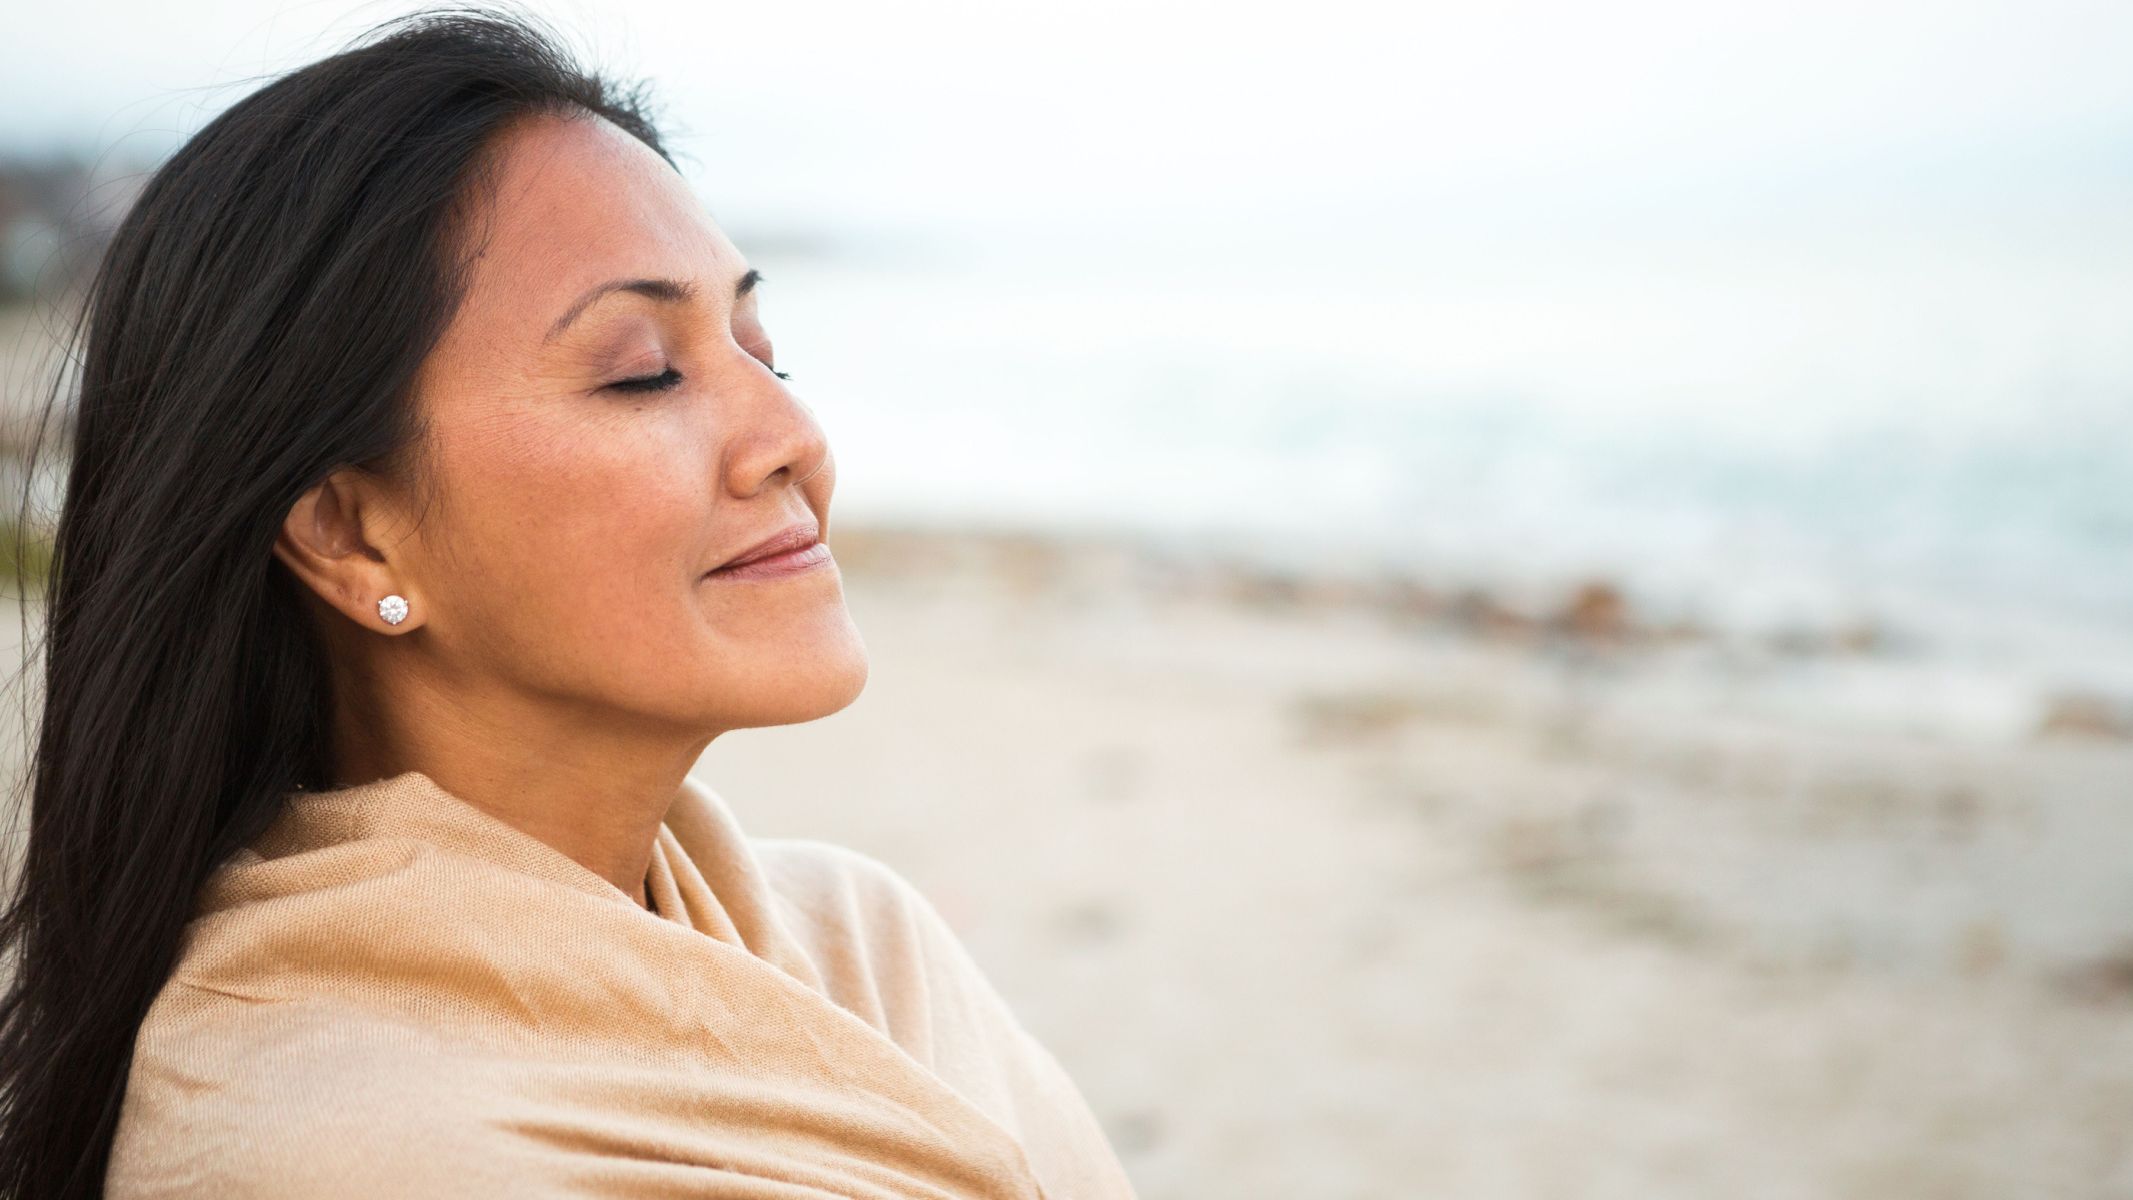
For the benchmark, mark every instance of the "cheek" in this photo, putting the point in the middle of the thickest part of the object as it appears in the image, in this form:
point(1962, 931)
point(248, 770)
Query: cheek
point(578, 541)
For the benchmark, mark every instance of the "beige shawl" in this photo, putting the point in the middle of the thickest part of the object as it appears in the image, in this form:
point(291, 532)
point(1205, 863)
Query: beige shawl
point(395, 994)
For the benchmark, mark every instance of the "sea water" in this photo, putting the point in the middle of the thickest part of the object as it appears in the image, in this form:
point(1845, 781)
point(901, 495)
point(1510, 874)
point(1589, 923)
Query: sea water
point(1923, 428)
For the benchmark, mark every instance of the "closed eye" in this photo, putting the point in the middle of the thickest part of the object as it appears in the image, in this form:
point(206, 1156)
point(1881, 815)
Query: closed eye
point(647, 383)
point(665, 380)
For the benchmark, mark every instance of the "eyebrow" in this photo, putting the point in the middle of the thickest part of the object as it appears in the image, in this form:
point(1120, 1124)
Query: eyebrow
point(670, 291)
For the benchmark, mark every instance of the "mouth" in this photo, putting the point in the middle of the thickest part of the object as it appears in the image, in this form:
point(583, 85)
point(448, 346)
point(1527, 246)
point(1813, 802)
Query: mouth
point(796, 549)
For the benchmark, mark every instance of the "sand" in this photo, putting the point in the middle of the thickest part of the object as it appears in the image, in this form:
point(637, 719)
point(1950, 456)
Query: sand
point(1315, 901)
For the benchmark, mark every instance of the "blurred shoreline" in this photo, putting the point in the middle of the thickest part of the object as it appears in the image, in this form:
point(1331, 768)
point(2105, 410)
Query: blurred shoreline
point(1847, 669)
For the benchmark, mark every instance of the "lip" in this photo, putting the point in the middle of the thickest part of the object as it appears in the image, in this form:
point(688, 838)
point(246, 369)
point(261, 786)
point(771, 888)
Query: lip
point(797, 547)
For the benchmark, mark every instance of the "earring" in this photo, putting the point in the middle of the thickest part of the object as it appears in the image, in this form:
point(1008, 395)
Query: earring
point(393, 609)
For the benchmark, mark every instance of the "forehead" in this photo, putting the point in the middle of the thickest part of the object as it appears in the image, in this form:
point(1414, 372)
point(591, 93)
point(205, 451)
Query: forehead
point(574, 202)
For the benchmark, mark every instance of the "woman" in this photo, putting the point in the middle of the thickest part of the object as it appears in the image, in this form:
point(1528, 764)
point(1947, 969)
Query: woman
point(434, 501)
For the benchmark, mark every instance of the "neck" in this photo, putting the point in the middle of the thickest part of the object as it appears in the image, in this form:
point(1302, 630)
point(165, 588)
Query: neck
point(596, 791)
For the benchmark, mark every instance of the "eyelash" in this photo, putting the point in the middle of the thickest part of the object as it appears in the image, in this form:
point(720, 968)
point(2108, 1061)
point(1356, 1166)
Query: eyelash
point(664, 380)
point(648, 383)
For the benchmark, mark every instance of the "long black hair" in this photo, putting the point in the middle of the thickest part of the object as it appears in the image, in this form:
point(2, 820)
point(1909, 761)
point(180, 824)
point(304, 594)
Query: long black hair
point(255, 323)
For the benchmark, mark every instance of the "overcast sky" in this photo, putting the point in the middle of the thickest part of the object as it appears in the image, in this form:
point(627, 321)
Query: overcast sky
point(1155, 110)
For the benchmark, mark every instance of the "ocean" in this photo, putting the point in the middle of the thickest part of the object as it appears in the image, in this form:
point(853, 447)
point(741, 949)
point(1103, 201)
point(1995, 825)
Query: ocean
point(1923, 426)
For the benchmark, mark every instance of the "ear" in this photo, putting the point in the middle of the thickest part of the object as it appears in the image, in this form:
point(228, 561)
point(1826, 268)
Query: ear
point(332, 539)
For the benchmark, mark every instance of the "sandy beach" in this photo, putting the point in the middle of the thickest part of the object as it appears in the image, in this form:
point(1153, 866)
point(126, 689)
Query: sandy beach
point(1320, 898)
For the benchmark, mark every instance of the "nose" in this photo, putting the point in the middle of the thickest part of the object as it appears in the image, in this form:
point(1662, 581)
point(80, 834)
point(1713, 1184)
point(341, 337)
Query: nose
point(776, 440)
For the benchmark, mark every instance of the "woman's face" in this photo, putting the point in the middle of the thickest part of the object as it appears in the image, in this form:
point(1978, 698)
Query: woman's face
point(571, 552)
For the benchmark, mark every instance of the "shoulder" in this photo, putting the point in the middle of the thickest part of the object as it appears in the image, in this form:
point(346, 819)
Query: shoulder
point(938, 1001)
point(236, 1097)
point(861, 915)
point(829, 881)
point(805, 865)
point(834, 893)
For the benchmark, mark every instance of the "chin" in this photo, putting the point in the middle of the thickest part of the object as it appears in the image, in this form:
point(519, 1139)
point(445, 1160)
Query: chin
point(836, 678)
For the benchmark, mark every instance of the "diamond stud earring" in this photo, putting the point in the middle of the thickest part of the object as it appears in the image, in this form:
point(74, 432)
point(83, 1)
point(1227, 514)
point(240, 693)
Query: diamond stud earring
point(393, 609)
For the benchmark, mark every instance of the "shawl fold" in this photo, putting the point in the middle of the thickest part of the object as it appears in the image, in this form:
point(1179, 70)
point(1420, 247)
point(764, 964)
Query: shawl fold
point(393, 993)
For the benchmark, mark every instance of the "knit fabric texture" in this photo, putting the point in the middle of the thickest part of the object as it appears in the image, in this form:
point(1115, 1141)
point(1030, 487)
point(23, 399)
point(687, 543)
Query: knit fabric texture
point(394, 993)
